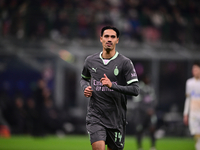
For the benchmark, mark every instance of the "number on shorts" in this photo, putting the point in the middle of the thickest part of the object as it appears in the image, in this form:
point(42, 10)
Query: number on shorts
point(118, 136)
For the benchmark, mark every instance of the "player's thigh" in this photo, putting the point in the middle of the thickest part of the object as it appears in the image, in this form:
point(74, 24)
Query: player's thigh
point(194, 123)
point(98, 145)
point(96, 132)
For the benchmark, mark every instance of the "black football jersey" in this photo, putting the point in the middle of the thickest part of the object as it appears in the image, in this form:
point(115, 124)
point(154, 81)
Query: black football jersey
point(106, 105)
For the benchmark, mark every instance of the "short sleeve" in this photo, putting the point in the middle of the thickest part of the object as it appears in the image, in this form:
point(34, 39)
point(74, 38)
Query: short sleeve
point(85, 72)
point(187, 89)
point(130, 72)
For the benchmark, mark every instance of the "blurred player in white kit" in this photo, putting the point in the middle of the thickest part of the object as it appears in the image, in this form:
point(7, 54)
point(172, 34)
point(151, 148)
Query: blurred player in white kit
point(192, 104)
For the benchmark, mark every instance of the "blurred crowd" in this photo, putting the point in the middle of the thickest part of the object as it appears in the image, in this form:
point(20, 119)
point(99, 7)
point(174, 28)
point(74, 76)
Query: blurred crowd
point(35, 115)
point(138, 20)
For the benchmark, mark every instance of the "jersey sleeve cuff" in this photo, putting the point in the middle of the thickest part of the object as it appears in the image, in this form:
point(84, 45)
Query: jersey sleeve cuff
point(131, 81)
point(85, 76)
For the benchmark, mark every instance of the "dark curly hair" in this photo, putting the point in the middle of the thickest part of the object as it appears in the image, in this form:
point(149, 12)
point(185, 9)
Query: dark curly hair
point(196, 63)
point(110, 27)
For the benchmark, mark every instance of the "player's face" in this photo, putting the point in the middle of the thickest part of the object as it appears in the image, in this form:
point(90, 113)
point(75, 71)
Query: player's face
point(196, 71)
point(109, 39)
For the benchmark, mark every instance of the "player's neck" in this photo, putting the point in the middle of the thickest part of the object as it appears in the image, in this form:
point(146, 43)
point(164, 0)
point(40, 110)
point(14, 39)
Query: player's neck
point(197, 78)
point(108, 54)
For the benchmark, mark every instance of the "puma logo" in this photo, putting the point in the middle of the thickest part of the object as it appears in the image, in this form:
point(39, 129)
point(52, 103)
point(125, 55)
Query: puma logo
point(95, 70)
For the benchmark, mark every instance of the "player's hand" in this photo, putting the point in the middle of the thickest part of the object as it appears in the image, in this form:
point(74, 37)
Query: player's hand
point(106, 81)
point(88, 91)
point(185, 120)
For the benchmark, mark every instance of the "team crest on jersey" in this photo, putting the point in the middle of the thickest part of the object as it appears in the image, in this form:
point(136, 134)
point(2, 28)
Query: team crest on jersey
point(116, 71)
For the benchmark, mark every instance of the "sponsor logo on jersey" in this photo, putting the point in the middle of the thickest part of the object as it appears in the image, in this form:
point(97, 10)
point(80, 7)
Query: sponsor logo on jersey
point(194, 94)
point(99, 86)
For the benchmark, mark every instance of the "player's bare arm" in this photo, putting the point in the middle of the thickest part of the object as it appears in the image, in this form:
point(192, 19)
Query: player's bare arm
point(186, 110)
point(185, 119)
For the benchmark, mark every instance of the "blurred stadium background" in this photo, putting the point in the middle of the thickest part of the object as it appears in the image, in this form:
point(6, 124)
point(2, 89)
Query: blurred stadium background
point(49, 39)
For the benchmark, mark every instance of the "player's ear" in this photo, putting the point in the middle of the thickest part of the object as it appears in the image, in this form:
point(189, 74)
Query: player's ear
point(100, 38)
point(117, 40)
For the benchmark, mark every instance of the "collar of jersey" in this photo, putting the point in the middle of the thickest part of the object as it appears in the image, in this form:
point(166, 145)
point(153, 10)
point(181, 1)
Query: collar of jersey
point(116, 54)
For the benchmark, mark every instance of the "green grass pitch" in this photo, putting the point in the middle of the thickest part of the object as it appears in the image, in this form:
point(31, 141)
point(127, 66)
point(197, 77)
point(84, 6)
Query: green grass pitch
point(81, 142)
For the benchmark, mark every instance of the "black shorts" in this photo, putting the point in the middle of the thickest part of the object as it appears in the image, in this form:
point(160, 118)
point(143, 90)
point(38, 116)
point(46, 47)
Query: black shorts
point(114, 138)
